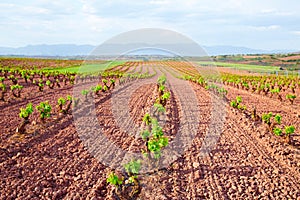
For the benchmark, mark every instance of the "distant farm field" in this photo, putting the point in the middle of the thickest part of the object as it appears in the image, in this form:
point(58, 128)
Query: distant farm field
point(88, 67)
point(252, 68)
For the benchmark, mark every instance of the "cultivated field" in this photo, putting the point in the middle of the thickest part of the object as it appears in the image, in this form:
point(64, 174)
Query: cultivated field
point(239, 131)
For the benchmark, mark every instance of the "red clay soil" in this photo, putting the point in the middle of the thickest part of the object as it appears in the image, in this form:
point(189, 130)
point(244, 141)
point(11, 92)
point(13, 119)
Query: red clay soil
point(51, 162)
point(234, 71)
point(297, 57)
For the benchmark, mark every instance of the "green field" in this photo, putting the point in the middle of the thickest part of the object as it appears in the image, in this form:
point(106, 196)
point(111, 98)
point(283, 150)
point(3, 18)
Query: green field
point(89, 67)
point(251, 68)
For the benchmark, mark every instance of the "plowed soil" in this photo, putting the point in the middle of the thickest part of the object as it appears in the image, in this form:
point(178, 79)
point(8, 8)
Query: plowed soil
point(51, 161)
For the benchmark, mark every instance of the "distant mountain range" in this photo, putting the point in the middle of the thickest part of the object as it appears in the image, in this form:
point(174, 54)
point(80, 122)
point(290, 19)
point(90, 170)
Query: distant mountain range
point(62, 50)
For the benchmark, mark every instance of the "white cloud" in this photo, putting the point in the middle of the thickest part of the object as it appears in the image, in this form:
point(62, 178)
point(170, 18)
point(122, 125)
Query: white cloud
point(265, 28)
point(296, 33)
point(160, 2)
point(92, 21)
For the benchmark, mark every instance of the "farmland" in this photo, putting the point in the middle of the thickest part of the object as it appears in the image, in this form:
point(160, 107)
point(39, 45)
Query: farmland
point(224, 135)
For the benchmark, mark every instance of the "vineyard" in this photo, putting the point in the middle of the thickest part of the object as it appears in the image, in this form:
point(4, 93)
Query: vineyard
point(240, 133)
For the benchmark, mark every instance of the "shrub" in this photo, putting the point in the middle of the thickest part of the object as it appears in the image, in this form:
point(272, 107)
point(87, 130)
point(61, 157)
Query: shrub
point(96, 89)
point(164, 98)
point(16, 90)
point(277, 118)
point(104, 81)
point(24, 114)
point(133, 167)
point(104, 88)
point(60, 102)
point(291, 97)
point(3, 91)
point(159, 108)
point(161, 80)
point(112, 83)
point(85, 93)
point(147, 119)
point(237, 103)
point(277, 131)
point(266, 118)
point(145, 135)
point(289, 130)
point(44, 109)
point(50, 84)
point(234, 104)
point(131, 188)
point(114, 179)
point(13, 79)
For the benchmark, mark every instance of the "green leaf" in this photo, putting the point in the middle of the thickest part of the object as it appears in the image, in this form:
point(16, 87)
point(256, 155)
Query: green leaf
point(165, 96)
point(61, 101)
point(266, 118)
point(24, 113)
point(105, 88)
point(239, 99)
point(163, 141)
point(161, 80)
point(289, 130)
point(156, 131)
point(277, 131)
point(104, 81)
point(277, 118)
point(161, 88)
point(48, 82)
point(84, 92)
point(133, 167)
point(145, 134)
point(3, 87)
point(153, 145)
point(233, 104)
point(157, 154)
point(132, 179)
point(147, 119)
point(290, 96)
point(114, 179)
point(44, 108)
point(69, 98)
point(160, 108)
point(97, 88)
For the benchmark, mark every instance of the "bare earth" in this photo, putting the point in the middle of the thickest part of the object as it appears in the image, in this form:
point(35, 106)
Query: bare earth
point(51, 162)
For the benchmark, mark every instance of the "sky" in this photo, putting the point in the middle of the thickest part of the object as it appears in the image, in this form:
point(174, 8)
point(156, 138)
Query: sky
point(259, 24)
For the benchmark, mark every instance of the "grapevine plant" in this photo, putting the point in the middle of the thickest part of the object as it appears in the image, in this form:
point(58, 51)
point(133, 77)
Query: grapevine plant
point(237, 103)
point(24, 114)
point(163, 95)
point(289, 130)
point(97, 89)
point(67, 102)
point(3, 91)
point(44, 108)
point(85, 94)
point(50, 84)
point(127, 186)
point(16, 90)
point(291, 98)
point(271, 121)
point(61, 102)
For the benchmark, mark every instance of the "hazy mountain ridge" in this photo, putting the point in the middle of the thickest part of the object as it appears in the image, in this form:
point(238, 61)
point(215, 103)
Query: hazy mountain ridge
point(48, 50)
point(82, 50)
